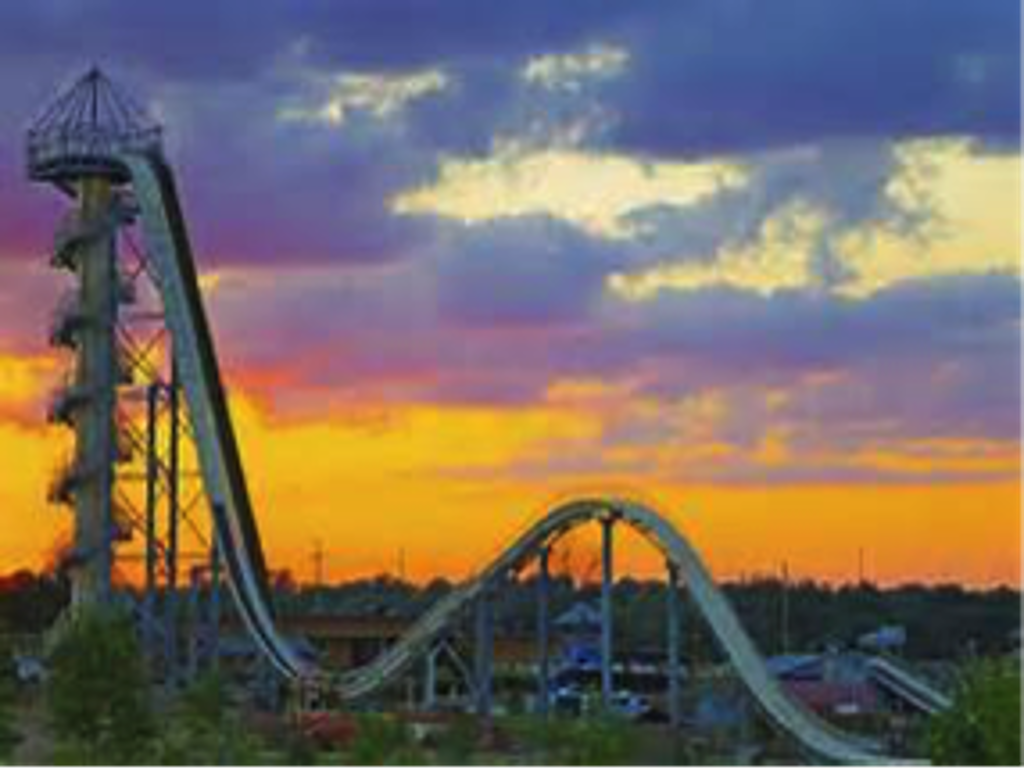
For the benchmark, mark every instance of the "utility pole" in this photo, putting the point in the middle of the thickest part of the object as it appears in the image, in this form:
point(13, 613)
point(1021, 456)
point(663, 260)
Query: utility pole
point(543, 632)
point(607, 633)
point(318, 563)
point(785, 608)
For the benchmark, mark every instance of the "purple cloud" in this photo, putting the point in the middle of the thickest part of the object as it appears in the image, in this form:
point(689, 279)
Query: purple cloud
point(356, 301)
point(709, 77)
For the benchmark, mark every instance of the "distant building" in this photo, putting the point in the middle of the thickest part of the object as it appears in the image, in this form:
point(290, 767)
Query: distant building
point(852, 684)
point(349, 641)
point(884, 639)
point(579, 635)
point(833, 684)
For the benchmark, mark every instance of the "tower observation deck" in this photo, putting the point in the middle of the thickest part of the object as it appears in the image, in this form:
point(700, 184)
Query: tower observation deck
point(77, 144)
point(82, 133)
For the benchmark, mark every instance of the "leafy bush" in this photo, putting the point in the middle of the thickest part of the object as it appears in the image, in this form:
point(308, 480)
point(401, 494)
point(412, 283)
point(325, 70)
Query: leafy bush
point(9, 737)
point(384, 740)
point(458, 741)
point(203, 728)
point(299, 750)
point(983, 727)
point(98, 695)
point(602, 740)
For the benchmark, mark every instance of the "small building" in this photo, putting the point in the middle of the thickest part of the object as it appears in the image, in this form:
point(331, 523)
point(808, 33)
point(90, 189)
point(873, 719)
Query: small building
point(884, 639)
point(851, 684)
point(831, 684)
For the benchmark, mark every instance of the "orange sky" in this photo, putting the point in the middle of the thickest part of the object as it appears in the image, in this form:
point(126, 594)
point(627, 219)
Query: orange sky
point(809, 467)
point(433, 484)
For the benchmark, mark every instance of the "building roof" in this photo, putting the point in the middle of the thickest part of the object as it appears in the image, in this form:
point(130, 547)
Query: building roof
point(580, 615)
point(86, 129)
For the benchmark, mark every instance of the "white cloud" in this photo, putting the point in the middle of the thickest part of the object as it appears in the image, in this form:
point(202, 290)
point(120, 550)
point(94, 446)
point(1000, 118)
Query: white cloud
point(379, 95)
point(596, 192)
point(849, 221)
point(780, 260)
point(572, 71)
point(975, 200)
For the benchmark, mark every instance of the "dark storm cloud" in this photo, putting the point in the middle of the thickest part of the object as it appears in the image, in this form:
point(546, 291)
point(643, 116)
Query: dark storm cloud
point(926, 361)
point(939, 356)
point(371, 33)
point(712, 73)
point(739, 75)
point(522, 271)
point(237, 39)
point(702, 76)
point(495, 313)
point(194, 41)
point(284, 193)
point(926, 318)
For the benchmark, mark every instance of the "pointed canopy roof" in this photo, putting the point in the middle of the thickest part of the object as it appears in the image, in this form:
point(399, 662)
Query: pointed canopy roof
point(84, 131)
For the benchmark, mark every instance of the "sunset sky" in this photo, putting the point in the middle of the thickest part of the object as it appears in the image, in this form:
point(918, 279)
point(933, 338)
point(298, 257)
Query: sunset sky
point(755, 262)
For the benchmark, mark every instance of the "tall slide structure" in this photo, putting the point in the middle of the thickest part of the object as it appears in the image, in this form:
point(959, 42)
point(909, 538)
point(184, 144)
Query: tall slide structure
point(128, 166)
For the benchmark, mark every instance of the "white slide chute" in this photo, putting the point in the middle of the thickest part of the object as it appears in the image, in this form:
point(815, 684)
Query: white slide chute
point(168, 245)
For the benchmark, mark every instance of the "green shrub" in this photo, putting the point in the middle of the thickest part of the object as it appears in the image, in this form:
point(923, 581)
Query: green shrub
point(983, 727)
point(299, 750)
point(204, 728)
point(9, 737)
point(384, 740)
point(601, 740)
point(97, 694)
point(457, 743)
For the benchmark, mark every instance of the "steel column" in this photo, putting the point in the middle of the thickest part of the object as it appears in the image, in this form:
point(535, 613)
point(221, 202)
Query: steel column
point(430, 679)
point(152, 495)
point(194, 624)
point(543, 651)
point(673, 616)
point(484, 650)
point(95, 422)
point(607, 581)
point(214, 606)
point(171, 599)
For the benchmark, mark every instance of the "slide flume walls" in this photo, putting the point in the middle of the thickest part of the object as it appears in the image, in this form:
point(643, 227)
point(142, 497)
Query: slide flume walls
point(168, 245)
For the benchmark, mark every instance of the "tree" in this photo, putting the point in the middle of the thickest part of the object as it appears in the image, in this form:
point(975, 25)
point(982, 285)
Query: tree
point(384, 740)
point(9, 737)
point(983, 727)
point(204, 728)
point(98, 692)
point(30, 603)
point(599, 741)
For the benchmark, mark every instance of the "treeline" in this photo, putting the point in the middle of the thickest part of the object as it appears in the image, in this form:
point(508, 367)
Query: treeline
point(30, 602)
point(945, 621)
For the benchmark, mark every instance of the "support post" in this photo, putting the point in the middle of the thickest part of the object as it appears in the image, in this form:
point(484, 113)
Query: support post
point(152, 481)
point(95, 423)
point(430, 679)
point(607, 581)
point(214, 605)
point(194, 624)
point(543, 651)
point(484, 654)
point(171, 599)
point(672, 589)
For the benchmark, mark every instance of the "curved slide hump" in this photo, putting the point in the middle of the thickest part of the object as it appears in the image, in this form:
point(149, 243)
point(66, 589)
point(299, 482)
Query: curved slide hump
point(238, 536)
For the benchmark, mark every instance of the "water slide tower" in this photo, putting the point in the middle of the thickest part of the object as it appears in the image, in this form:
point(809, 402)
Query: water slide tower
point(75, 145)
